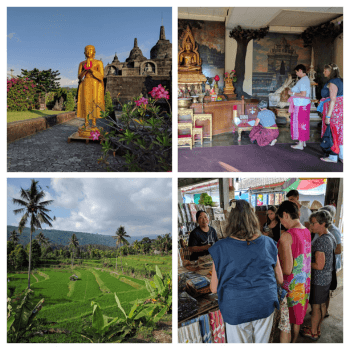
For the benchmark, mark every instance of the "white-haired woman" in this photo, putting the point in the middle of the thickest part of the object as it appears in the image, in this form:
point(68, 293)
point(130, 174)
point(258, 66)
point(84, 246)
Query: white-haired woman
point(321, 272)
point(265, 131)
point(331, 107)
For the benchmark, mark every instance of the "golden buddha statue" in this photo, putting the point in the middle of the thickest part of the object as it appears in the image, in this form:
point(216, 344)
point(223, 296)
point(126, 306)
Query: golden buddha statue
point(189, 62)
point(90, 91)
point(188, 59)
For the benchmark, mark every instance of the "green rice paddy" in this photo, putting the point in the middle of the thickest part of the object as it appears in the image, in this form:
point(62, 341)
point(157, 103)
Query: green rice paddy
point(68, 303)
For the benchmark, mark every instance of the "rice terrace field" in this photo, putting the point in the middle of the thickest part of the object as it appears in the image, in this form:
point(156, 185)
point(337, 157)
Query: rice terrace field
point(67, 306)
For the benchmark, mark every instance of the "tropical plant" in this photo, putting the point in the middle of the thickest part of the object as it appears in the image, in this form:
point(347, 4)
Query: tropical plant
point(45, 80)
point(143, 134)
point(205, 199)
point(35, 209)
point(108, 103)
point(35, 252)
point(20, 94)
point(22, 319)
point(115, 329)
point(14, 237)
point(69, 104)
point(120, 237)
point(160, 289)
point(42, 239)
point(73, 245)
point(167, 240)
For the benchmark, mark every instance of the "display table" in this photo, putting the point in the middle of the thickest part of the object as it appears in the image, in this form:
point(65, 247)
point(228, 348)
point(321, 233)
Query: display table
point(222, 113)
point(281, 112)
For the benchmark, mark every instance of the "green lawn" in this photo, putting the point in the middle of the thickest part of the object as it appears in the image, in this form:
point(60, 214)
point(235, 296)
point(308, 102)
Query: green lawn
point(17, 116)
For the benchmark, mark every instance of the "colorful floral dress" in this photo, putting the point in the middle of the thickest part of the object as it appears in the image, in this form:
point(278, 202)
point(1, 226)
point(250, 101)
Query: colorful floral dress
point(297, 284)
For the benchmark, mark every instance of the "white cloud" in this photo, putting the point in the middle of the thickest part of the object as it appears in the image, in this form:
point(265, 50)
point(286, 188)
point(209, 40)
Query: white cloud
point(68, 82)
point(143, 206)
point(10, 36)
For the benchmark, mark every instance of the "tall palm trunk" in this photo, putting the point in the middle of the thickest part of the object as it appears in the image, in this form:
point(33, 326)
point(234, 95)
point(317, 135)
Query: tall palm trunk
point(121, 262)
point(30, 258)
point(72, 259)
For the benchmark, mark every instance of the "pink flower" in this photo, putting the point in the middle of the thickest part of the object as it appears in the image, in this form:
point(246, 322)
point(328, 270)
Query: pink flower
point(141, 101)
point(216, 78)
point(95, 135)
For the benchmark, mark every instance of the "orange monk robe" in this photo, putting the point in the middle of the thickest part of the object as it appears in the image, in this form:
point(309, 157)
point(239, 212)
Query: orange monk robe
point(91, 91)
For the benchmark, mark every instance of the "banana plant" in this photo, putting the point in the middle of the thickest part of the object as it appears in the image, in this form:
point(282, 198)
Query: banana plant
point(160, 289)
point(115, 329)
point(22, 319)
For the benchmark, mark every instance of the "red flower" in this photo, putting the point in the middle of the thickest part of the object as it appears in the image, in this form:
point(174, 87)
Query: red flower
point(216, 78)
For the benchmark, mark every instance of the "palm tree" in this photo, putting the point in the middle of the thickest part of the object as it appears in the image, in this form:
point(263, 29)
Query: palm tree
point(120, 236)
point(42, 239)
point(14, 237)
point(34, 209)
point(73, 244)
point(137, 246)
point(166, 240)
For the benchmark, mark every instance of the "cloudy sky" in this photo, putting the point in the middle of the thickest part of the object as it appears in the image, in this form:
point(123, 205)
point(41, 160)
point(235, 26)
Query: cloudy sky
point(143, 206)
point(55, 37)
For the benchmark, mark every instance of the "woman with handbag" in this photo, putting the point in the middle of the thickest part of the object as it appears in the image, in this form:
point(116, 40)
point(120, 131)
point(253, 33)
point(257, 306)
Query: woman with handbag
point(322, 268)
point(331, 107)
point(245, 270)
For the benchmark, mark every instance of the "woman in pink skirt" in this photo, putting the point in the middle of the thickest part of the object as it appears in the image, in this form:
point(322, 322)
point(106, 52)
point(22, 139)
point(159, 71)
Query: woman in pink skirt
point(299, 107)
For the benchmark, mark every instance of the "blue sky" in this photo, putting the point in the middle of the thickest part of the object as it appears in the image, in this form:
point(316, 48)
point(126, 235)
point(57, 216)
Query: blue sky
point(55, 37)
point(100, 205)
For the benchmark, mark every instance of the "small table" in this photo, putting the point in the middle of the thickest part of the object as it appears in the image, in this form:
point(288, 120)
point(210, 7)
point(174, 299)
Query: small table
point(282, 112)
point(243, 127)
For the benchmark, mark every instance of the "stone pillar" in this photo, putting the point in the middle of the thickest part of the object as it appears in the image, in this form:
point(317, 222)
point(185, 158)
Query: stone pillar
point(224, 193)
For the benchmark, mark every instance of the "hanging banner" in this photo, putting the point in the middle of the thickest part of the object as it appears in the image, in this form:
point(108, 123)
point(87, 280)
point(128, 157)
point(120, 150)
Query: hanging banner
point(266, 199)
point(260, 200)
point(277, 199)
point(271, 199)
point(253, 200)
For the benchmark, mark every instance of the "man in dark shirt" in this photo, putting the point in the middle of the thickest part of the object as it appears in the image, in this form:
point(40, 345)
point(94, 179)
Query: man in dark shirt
point(202, 237)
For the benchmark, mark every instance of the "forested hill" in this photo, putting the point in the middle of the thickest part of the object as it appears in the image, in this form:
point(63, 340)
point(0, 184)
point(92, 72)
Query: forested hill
point(62, 237)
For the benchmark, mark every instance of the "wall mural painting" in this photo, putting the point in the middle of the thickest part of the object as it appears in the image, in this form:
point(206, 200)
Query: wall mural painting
point(210, 38)
point(274, 57)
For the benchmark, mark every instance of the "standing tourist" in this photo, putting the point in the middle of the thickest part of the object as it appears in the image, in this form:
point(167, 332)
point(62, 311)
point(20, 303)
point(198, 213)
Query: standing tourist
point(331, 107)
point(273, 227)
point(202, 237)
point(299, 108)
point(265, 130)
point(293, 196)
point(321, 274)
point(245, 270)
point(294, 251)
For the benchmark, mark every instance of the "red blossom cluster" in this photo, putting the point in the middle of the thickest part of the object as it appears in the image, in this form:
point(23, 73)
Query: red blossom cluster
point(141, 101)
point(159, 92)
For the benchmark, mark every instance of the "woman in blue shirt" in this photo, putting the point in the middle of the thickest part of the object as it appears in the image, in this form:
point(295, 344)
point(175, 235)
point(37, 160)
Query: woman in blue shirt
point(265, 130)
point(245, 270)
point(331, 107)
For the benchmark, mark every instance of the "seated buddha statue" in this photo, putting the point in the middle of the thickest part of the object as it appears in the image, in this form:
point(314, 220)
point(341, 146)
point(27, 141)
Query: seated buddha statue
point(188, 59)
point(91, 88)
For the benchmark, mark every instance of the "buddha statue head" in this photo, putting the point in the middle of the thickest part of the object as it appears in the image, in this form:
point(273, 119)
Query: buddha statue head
point(90, 51)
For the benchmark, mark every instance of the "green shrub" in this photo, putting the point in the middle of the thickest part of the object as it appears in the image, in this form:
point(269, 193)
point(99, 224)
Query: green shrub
point(20, 94)
point(69, 104)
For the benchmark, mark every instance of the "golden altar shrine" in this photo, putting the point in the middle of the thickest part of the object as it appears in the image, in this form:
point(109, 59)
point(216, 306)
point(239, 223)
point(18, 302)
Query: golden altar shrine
point(189, 63)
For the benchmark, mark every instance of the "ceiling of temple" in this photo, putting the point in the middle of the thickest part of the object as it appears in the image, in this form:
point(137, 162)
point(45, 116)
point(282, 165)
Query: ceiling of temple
point(293, 19)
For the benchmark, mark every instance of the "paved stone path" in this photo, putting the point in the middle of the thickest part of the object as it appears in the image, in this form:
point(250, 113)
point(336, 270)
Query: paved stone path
point(49, 151)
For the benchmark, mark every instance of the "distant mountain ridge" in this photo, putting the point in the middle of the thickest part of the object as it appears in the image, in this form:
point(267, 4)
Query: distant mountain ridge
point(62, 237)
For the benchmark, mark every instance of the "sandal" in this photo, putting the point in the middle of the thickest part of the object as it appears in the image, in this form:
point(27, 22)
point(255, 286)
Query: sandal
point(306, 332)
point(318, 332)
